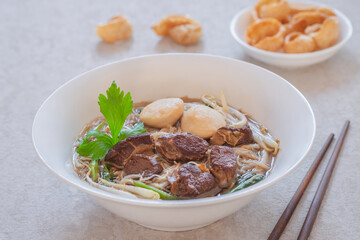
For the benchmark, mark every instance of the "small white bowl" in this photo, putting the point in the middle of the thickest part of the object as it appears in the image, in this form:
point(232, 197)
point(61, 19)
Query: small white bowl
point(267, 97)
point(242, 21)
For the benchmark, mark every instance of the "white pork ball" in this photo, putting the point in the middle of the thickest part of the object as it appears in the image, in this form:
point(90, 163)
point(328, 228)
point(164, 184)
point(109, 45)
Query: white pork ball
point(162, 113)
point(202, 121)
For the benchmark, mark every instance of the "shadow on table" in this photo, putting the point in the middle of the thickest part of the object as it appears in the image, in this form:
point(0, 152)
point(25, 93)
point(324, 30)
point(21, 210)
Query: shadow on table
point(321, 77)
point(166, 44)
point(106, 49)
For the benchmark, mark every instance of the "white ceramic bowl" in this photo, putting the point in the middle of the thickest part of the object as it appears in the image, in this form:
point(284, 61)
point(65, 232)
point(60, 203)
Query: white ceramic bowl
point(242, 21)
point(269, 98)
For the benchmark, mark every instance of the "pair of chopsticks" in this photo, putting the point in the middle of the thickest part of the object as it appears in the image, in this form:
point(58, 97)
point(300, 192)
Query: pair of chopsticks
point(320, 192)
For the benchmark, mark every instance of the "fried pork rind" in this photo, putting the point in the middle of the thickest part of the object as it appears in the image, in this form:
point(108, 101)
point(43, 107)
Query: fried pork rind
point(254, 16)
point(118, 28)
point(278, 9)
point(326, 11)
point(297, 42)
point(306, 18)
point(327, 34)
point(294, 11)
point(305, 29)
point(182, 29)
point(300, 21)
point(310, 18)
point(266, 34)
point(187, 34)
point(312, 29)
point(162, 28)
point(295, 26)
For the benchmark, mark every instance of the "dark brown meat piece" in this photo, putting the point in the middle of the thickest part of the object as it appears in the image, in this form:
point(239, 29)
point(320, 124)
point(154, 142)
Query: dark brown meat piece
point(142, 164)
point(232, 136)
point(121, 152)
point(182, 147)
point(223, 165)
point(191, 181)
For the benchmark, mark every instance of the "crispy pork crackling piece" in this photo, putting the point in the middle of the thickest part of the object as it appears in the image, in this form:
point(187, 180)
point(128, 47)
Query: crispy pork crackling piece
point(118, 28)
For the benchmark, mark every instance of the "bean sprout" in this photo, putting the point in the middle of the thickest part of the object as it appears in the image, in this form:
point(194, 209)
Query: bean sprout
point(233, 117)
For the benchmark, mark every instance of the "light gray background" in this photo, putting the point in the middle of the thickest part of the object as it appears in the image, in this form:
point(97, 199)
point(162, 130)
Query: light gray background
point(43, 44)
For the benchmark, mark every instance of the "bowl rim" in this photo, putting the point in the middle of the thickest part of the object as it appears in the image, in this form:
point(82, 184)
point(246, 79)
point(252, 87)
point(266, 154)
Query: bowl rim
point(335, 47)
point(176, 203)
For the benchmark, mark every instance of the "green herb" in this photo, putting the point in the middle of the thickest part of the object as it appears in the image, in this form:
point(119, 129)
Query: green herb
point(137, 129)
point(241, 179)
point(87, 137)
point(98, 148)
point(247, 182)
point(163, 195)
point(115, 107)
point(94, 167)
point(106, 174)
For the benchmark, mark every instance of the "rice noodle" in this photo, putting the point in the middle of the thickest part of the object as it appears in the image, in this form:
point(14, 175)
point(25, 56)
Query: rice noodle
point(161, 186)
point(109, 189)
point(164, 131)
point(265, 141)
point(255, 164)
point(233, 117)
point(245, 153)
point(125, 179)
point(223, 102)
point(264, 157)
point(252, 147)
point(146, 193)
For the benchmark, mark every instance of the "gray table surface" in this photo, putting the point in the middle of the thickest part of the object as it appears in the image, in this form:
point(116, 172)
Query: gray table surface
point(43, 44)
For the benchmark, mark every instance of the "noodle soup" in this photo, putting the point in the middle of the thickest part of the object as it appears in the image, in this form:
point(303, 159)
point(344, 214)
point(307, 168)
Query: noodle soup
point(176, 148)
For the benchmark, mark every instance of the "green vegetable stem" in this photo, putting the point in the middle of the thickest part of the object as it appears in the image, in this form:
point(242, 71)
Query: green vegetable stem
point(106, 174)
point(100, 126)
point(247, 182)
point(163, 195)
point(94, 167)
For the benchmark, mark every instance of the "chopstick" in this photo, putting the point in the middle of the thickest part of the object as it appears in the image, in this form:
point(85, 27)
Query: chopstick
point(285, 217)
point(320, 192)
